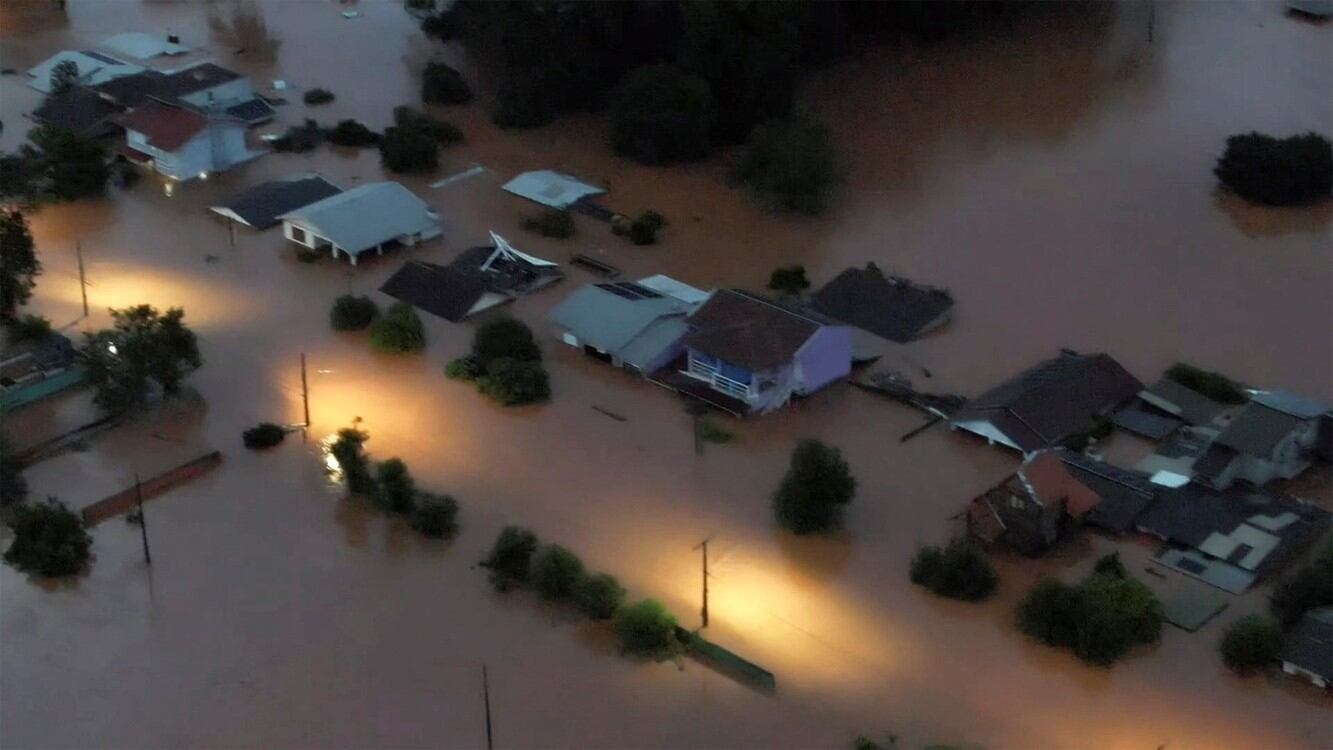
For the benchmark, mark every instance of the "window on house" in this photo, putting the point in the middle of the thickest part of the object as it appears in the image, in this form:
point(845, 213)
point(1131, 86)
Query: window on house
point(298, 234)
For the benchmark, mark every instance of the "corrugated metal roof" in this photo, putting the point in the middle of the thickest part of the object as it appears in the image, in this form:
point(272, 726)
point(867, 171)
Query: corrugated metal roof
point(365, 216)
point(613, 322)
point(550, 188)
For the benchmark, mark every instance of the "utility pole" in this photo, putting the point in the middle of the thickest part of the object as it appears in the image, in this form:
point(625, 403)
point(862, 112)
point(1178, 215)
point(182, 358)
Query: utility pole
point(486, 697)
point(143, 521)
point(305, 400)
point(704, 547)
point(231, 233)
point(83, 281)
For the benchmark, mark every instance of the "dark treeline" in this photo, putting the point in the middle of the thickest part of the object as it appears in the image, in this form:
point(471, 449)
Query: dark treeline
point(559, 56)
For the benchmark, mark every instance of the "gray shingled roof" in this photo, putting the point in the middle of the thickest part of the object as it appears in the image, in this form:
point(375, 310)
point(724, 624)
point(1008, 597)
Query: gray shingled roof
point(890, 307)
point(1310, 644)
point(1257, 430)
point(439, 290)
point(749, 330)
point(261, 205)
point(1180, 401)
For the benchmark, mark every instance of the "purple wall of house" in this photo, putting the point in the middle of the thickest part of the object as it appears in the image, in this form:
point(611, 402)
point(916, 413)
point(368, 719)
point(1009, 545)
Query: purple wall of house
point(826, 356)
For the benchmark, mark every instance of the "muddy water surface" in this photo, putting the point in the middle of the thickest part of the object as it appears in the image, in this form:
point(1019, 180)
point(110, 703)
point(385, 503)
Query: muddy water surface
point(1055, 177)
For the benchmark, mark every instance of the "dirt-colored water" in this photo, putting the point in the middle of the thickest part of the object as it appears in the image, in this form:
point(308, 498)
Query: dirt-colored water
point(1057, 179)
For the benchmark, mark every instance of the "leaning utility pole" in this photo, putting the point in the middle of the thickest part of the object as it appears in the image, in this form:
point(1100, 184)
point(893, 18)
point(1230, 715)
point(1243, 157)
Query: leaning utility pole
point(305, 400)
point(83, 281)
point(143, 521)
point(704, 611)
point(486, 697)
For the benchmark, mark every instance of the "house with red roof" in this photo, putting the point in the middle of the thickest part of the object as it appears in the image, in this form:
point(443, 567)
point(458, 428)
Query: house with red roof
point(182, 143)
point(1034, 507)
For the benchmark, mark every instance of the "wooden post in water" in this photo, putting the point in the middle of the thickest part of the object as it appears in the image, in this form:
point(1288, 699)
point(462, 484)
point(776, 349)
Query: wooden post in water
point(704, 610)
point(143, 520)
point(305, 399)
point(486, 698)
point(83, 280)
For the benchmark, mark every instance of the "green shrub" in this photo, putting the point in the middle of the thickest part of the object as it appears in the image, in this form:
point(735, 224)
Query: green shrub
point(556, 572)
point(463, 368)
point(510, 560)
point(551, 223)
point(351, 133)
point(660, 115)
point(403, 150)
point(397, 489)
point(348, 452)
point(300, 138)
point(317, 96)
point(514, 382)
point(441, 84)
point(1309, 587)
point(263, 435)
point(443, 133)
point(435, 516)
point(958, 571)
point(504, 337)
point(30, 328)
point(713, 432)
point(352, 313)
point(789, 280)
point(599, 596)
point(1251, 644)
point(814, 491)
point(791, 164)
point(647, 629)
point(1100, 619)
point(1277, 171)
point(49, 540)
point(399, 331)
point(1214, 385)
point(1110, 565)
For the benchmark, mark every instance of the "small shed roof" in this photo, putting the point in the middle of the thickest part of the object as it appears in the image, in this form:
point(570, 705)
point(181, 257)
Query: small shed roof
point(143, 46)
point(261, 205)
point(366, 216)
point(551, 188)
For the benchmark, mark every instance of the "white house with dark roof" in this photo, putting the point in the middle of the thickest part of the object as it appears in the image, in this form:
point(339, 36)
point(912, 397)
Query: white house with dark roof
point(1273, 437)
point(368, 217)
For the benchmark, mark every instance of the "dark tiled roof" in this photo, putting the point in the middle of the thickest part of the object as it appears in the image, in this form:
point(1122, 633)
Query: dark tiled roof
point(1124, 493)
point(887, 306)
point(1053, 400)
point(197, 78)
point(1258, 429)
point(1214, 461)
point(135, 90)
point(261, 205)
point(748, 330)
point(1190, 405)
point(79, 109)
point(1310, 644)
point(1147, 422)
point(132, 90)
point(166, 127)
point(439, 290)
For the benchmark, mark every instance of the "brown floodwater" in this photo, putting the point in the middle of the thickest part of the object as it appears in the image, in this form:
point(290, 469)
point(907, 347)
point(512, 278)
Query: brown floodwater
point(1056, 177)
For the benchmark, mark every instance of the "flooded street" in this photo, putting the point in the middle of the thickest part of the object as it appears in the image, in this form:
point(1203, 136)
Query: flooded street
point(1056, 178)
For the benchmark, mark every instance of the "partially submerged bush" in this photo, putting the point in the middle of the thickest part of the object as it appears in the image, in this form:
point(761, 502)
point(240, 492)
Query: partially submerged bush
point(551, 223)
point(49, 540)
point(1309, 587)
point(504, 337)
point(399, 331)
point(791, 164)
point(1110, 565)
point(1101, 619)
point(510, 560)
point(263, 435)
point(463, 368)
point(317, 96)
point(441, 84)
point(300, 138)
point(958, 571)
point(352, 313)
point(1277, 171)
point(397, 489)
point(1214, 385)
point(556, 572)
point(505, 363)
point(349, 454)
point(599, 596)
point(441, 132)
point(817, 485)
point(435, 516)
point(1251, 644)
point(712, 432)
point(789, 280)
point(647, 629)
point(641, 230)
point(405, 150)
point(660, 115)
point(513, 382)
point(351, 133)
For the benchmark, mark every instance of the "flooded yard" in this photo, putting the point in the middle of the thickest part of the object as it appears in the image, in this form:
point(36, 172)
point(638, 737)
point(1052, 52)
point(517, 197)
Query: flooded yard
point(1057, 179)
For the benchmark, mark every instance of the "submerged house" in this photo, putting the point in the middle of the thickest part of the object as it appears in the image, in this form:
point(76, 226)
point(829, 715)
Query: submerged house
point(205, 87)
point(92, 68)
point(1033, 508)
point(1275, 436)
point(477, 280)
point(890, 307)
point(624, 324)
point(1308, 650)
point(368, 217)
point(748, 354)
point(1046, 405)
point(1166, 406)
point(1234, 538)
point(260, 206)
point(183, 144)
